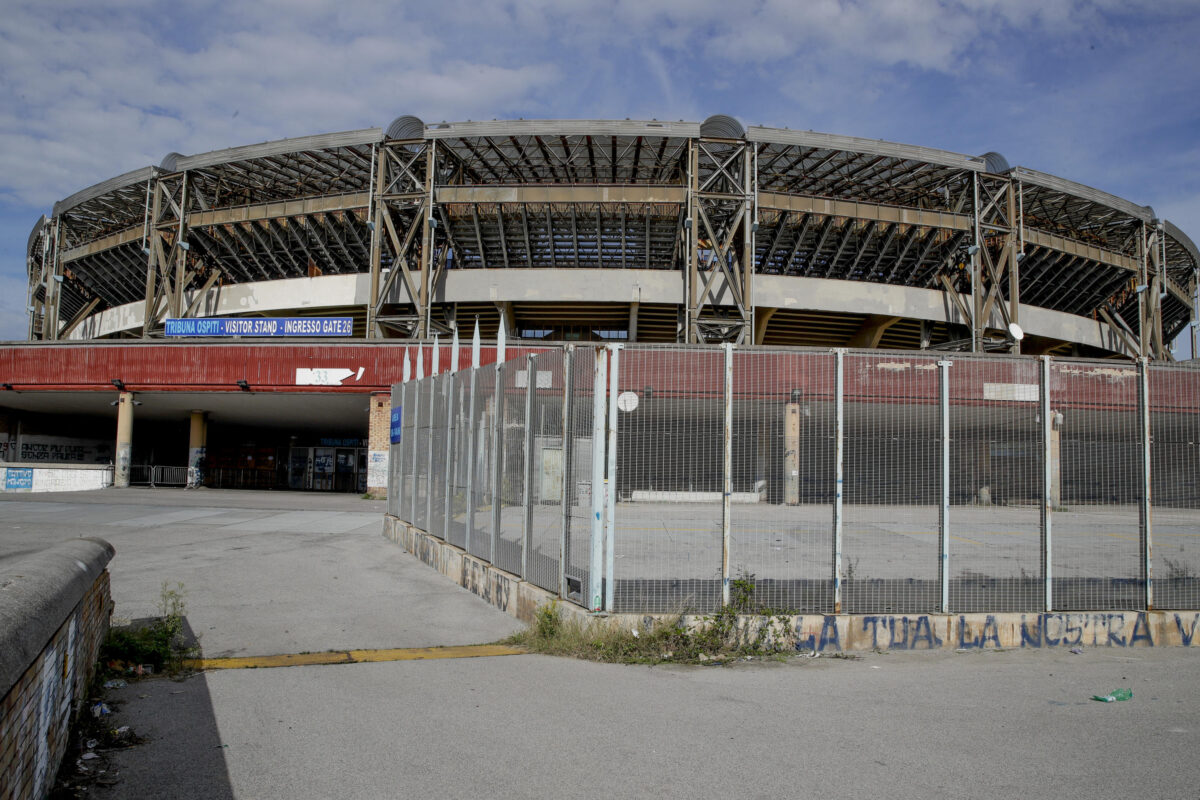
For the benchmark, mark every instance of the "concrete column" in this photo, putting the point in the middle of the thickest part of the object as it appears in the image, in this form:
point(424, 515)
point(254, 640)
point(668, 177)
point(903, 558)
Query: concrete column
point(197, 447)
point(791, 454)
point(124, 439)
point(378, 443)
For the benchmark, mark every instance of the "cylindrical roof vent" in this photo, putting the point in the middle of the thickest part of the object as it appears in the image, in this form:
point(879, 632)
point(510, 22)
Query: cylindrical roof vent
point(995, 163)
point(721, 126)
point(406, 127)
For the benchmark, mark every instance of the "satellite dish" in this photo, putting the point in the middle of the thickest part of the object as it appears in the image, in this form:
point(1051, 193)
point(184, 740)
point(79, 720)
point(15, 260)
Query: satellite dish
point(1014, 330)
point(627, 401)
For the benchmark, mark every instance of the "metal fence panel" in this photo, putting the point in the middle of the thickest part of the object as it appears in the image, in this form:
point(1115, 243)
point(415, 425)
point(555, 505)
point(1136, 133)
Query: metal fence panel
point(548, 472)
point(420, 452)
point(393, 483)
point(577, 472)
point(669, 480)
point(511, 489)
point(1175, 488)
point(995, 485)
point(891, 484)
point(439, 424)
point(461, 446)
point(480, 540)
point(946, 467)
point(781, 526)
point(1096, 546)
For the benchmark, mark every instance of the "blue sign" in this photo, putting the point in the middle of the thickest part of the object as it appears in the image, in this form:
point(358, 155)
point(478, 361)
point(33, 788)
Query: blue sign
point(19, 479)
point(261, 326)
point(397, 423)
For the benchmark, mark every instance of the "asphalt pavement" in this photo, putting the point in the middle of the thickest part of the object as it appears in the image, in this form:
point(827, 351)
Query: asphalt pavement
point(275, 572)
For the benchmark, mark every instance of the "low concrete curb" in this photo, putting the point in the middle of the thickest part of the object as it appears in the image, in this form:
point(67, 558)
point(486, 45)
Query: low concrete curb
point(37, 593)
point(835, 632)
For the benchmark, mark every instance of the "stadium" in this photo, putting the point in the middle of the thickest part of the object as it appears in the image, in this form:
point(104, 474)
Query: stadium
point(712, 351)
point(638, 231)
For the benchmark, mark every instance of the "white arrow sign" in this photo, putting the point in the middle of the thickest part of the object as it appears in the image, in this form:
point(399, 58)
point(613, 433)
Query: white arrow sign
point(325, 376)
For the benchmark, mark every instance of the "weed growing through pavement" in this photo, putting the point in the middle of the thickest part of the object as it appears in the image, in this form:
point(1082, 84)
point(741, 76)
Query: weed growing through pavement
point(740, 629)
point(160, 644)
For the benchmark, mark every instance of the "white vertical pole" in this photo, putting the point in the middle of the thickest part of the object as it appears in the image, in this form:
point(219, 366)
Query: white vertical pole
point(1144, 507)
point(454, 351)
point(401, 495)
point(596, 564)
point(429, 480)
point(610, 481)
point(1047, 483)
point(416, 476)
point(568, 471)
point(726, 469)
point(475, 345)
point(448, 506)
point(527, 478)
point(944, 509)
point(497, 456)
point(472, 458)
point(838, 447)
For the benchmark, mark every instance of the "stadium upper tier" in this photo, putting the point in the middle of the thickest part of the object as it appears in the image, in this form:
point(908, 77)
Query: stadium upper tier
point(642, 230)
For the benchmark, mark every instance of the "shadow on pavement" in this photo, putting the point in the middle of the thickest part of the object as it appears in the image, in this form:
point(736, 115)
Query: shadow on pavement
point(182, 755)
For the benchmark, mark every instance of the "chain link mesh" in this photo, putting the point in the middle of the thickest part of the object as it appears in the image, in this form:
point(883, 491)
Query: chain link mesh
point(1095, 532)
point(781, 523)
point(890, 484)
point(669, 480)
point(949, 453)
point(1175, 487)
point(996, 476)
point(548, 471)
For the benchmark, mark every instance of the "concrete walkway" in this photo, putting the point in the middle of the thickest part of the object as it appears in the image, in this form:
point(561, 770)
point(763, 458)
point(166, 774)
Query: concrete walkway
point(274, 573)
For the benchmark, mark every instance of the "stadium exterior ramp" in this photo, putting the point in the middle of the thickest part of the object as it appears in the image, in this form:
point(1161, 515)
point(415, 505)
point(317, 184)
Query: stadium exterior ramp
point(646, 231)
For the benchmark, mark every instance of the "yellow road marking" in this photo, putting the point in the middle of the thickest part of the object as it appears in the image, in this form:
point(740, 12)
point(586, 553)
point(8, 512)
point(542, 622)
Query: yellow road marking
point(354, 657)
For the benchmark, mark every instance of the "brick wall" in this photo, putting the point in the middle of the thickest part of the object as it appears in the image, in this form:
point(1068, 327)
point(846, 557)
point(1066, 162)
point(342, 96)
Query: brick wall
point(378, 443)
point(36, 713)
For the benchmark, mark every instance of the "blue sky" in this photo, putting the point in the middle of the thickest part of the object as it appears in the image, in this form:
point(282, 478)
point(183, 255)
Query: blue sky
point(1104, 92)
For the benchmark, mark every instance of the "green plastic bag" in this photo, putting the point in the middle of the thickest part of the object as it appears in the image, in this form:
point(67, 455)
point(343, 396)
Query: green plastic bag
point(1114, 695)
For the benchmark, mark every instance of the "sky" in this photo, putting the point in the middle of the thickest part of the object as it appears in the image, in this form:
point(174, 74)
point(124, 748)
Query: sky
point(1103, 92)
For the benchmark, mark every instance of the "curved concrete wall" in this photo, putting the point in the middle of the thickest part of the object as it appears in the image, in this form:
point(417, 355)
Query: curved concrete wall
point(607, 286)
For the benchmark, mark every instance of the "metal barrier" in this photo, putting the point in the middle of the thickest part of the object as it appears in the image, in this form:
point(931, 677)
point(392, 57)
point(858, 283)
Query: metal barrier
point(643, 478)
point(155, 475)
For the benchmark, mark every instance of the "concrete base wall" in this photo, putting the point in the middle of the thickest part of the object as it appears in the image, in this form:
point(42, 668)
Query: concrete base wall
point(835, 633)
point(54, 478)
point(54, 613)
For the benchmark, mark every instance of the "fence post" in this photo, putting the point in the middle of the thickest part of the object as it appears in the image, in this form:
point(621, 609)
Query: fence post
point(726, 468)
point(1144, 507)
point(568, 472)
point(497, 456)
point(448, 506)
point(401, 493)
point(1047, 483)
point(527, 478)
point(596, 563)
point(944, 507)
point(469, 521)
point(433, 385)
point(838, 447)
point(416, 477)
point(610, 480)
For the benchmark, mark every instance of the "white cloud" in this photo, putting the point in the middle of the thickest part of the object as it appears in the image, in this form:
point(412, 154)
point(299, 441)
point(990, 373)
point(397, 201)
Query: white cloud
point(90, 90)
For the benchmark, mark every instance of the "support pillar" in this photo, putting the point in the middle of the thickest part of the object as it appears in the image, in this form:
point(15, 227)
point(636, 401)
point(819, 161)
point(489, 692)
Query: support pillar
point(124, 448)
point(379, 443)
point(197, 447)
